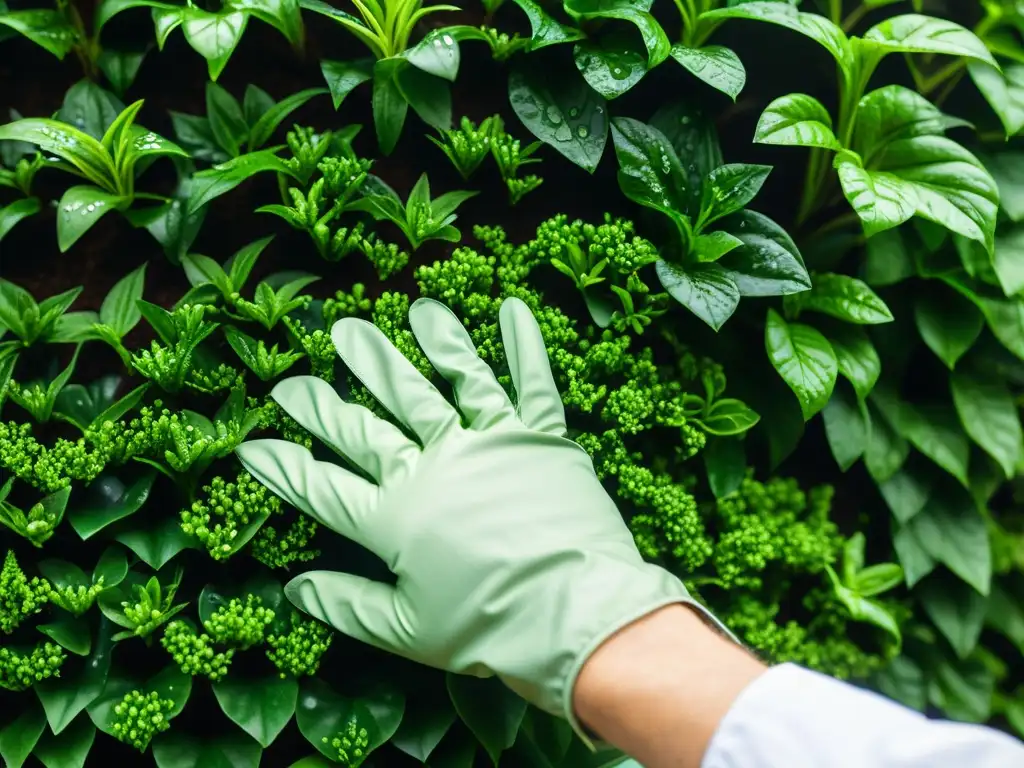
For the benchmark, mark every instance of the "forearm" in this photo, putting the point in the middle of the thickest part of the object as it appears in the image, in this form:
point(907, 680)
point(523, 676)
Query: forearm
point(658, 689)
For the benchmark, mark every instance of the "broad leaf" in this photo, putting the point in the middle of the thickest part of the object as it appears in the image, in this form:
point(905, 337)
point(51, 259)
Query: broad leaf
point(491, 711)
point(65, 697)
point(1004, 91)
point(214, 36)
point(44, 27)
point(260, 706)
point(649, 169)
point(728, 189)
point(68, 750)
point(19, 737)
point(796, 120)
point(768, 263)
point(544, 29)
point(226, 119)
point(704, 289)
point(229, 748)
point(845, 298)
point(716, 65)
point(323, 714)
point(344, 76)
point(214, 182)
point(69, 632)
point(816, 27)
point(948, 324)
point(107, 500)
point(611, 63)
point(156, 542)
point(894, 112)
point(956, 609)
point(804, 359)
point(89, 108)
point(565, 113)
point(426, 721)
point(80, 208)
point(935, 431)
point(436, 54)
point(389, 104)
point(119, 309)
point(66, 142)
point(857, 357)
point(989, 414)
point(725, 462)
point(845, 427)
point(914, 33)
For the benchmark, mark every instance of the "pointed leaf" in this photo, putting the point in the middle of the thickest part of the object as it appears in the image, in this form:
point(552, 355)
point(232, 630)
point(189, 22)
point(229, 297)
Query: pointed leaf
point(804, 359)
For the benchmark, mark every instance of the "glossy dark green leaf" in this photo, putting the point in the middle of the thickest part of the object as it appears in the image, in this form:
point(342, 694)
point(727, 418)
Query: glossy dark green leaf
point(426, 721)
point(904, 681)
point(107, 500)
point(80, 208)
point(231, 749)
point(728, 189)
point(436, 54)
point(725, 462)
point(260, 706)
point(89, 108)
point(322, 714)
point(956, 608)
point(728, 417)
point(214, 36)
point(964, 690)
point(564, 113)
point(934, 429)
point(344, 76)
point(65, 697)
point(704, 289)
point(948, 324)
point(804, 359)
point(70, 749)
point(112, 567)
point(120, 68)
point(716, 65)
point(19, 737)
point(389, 104)
point(62, 573)
point(45, 27)
point(490, 709)
point(650, 172)
point(227, 122)
point(69, 632)
point(768, 263)
point(212, 183)
point(846, 298)
point(990, 416)
point(544, 29)
point(14, 212)
point(119, 309)
point(916, 33)
point(796, 120)
point(81, 404)
point(157, 541)
point(845, 427)
point(429, 96)
point(856, 356)
point(611, 63)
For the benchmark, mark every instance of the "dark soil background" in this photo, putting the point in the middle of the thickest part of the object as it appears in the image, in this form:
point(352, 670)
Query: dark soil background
point(33, 82)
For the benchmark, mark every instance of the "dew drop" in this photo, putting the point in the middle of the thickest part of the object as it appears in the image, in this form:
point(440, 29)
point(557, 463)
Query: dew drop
point(574, 112)
point(582, 131)
point(554, 115)
point(685, 120)
point(448, 40)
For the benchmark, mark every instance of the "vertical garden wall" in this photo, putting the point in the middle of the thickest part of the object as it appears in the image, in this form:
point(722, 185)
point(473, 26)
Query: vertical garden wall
point(774, 251)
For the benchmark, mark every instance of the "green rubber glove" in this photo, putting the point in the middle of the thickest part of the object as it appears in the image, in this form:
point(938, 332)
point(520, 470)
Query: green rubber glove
point(511, 558)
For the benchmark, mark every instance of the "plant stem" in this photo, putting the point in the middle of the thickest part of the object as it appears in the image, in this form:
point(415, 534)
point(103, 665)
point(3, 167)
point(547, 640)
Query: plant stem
point(855, 17)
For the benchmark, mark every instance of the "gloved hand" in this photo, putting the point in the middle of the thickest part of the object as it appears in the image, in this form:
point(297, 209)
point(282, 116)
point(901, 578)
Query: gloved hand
point(511, 558)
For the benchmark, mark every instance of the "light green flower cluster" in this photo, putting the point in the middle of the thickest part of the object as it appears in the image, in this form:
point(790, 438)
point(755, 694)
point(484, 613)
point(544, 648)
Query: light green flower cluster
point(228, 508)
point(194, 652)
point(76, 600)
point(19, 596)
point(138, 717)
point(239, 624)
point(19, 670)
point(299, 650)
point(350, 743)
point(279, 550)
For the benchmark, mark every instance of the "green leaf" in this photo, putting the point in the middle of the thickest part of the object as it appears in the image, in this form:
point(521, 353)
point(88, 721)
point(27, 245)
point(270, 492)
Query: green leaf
point(68, 750)
point(845, 427)
point(728, 189)
point(70, 632)
point(264, 128)
point(19, 737)
point(73, 327)
point(989, 414)
point(906, 492)
point(876, 579)
point(714, 245)
point(389, 105)
point(768, 263)
point(1003, 90)
point(157, 542)
point(914, 33)
point(214, 36)
point(564, 113)
point(425, 723)
point(109, 499)
point(726, 465)
point(956, 609)
point(491, 711)
point(436, 54)
point(649, 169)
point(65, 697)
point(47, 28)
point(226, 119)
point(904, 681)
point(322, 714)
point(893, 113)
point(14, 212)
point(222, 178)
point(169, 683)
point(796, 120)
point(716, 65)
point(913, 557)
point(611, 63)
point(857, 357)
point(965, 690)
point(728, 417)
point(119, 309)
point(429, 96)
point(545, 30)
point(80, 208)
point(89, 108)
point(284, 15)
point(804, 359)
point(120, 68)
point(816, 27)
point(845, 298)
point(691, 132)
point(66, 142)
point(948, 324)
point(704, 289)
point(1005, 613)
point(260, 706)
point(936, 432)
point(636, 13)
point(344, 76)
point(930, 176)
point(232, 749)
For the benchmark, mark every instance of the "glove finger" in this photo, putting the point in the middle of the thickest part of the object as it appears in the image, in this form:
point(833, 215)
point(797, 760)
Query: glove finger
point(369, 443)
point(450, 350)
point(331, 495)
point(540, 405)
point(359, 607)
point(393, 380)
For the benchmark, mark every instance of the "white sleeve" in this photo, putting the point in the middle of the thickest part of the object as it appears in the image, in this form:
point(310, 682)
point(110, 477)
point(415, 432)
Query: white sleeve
point(791, 717)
